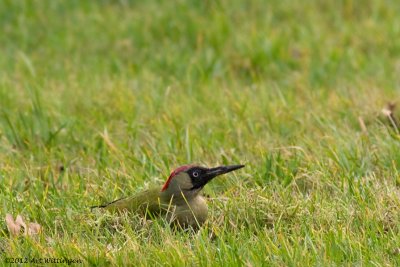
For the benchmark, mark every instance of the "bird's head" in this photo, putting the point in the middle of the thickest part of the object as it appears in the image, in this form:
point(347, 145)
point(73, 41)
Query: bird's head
point(190, 179)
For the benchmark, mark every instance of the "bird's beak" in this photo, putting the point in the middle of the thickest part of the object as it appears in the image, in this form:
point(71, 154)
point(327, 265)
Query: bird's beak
point(214, 172)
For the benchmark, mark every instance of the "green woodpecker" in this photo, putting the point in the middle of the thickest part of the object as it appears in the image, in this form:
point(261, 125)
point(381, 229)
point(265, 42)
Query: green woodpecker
point(179, 200)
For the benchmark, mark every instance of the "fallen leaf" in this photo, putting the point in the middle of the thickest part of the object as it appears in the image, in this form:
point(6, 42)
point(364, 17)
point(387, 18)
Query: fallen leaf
point(34, 228)
point(15, 227)
point(12, 226)
point(20, 221)
point(388, 112)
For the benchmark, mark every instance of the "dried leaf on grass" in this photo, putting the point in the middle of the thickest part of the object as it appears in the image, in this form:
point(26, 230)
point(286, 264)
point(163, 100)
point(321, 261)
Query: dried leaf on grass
point(388, 112)
point(34, 228)
point(15, 227)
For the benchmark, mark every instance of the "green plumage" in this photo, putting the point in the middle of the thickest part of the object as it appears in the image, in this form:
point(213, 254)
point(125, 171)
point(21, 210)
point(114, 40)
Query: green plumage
point(148, 200)
point(179, 210)
point(179, 200)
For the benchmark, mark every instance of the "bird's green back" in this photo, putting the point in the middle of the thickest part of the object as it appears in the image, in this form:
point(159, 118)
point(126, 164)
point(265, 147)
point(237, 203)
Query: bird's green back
point(148, 200)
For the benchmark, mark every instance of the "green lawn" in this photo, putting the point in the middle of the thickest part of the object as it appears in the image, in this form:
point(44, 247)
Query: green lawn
point(100, 99)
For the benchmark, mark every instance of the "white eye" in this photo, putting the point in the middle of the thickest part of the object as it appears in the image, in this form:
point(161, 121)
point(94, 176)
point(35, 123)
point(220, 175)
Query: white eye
point(195, 174)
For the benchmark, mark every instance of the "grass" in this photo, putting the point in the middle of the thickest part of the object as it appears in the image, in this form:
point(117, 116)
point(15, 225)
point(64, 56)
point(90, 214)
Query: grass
point(99, 99)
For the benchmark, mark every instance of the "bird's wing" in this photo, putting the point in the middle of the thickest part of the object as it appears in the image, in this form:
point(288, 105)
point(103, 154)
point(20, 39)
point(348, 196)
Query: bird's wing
point(147, 200)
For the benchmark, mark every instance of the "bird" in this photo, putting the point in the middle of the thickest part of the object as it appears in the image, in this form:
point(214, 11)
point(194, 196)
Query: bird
point(179, 200)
